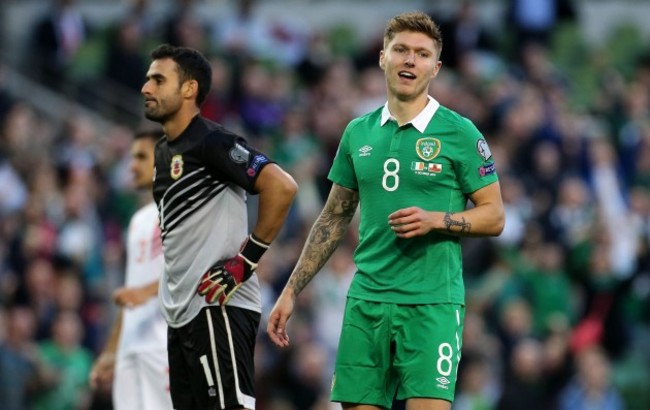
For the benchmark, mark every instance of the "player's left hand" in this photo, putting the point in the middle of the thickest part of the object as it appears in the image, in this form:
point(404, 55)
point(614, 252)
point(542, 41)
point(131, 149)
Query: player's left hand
point(223, 279)
point(130, 297)
point(410, 222)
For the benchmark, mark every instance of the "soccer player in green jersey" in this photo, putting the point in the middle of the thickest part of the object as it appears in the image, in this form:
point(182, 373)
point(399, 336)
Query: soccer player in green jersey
point(412, 165)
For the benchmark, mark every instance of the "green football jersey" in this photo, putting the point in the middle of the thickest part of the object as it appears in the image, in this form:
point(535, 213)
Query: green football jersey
point(434, 162)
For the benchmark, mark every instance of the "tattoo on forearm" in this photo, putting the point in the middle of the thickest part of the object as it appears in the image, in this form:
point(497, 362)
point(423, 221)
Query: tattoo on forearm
point(456, 225)
point(325, 236)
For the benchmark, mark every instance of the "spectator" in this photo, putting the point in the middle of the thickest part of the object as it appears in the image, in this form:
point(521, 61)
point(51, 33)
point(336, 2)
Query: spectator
point(592, 386)
point(533, 21)
point(71, 362)
point(477, 387)
point(549, 290)
point(523, 387)
point(126, 65)
point(183, 27)
point(22, 373)
point(57, 38)
point(463, 35)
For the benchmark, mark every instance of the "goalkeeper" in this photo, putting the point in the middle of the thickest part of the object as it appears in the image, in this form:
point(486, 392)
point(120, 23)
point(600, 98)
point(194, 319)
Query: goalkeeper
point(209, 292)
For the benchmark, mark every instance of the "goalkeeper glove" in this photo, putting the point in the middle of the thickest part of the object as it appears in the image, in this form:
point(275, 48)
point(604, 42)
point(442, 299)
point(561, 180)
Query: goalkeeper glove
point(223, 279)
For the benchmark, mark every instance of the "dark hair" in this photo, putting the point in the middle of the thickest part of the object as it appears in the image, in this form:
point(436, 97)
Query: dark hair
point(192, 65)
point(153, 135)
point(416, 21)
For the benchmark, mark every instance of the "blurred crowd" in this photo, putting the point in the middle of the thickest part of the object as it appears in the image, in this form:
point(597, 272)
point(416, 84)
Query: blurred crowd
point(558, 306)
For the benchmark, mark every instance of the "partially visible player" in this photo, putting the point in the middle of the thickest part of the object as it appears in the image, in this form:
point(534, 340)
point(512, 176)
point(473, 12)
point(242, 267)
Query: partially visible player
point(137, 346)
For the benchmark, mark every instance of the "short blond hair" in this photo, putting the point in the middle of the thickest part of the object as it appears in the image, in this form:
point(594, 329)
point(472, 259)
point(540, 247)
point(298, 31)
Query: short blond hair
point(415, 21)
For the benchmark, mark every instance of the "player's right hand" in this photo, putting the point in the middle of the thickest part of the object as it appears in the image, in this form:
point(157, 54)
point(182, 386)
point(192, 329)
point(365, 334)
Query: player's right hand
point(277, 325)
point(130, 297)
point(101, 374)
point(410, 222)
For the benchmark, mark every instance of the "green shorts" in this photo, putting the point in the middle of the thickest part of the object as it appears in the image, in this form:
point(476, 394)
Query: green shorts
point(387, 349)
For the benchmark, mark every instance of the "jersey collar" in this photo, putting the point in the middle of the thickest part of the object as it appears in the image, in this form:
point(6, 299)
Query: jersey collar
point(421, 121)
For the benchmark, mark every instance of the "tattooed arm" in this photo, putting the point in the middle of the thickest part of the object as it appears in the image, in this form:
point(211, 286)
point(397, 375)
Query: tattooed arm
point(486, 218)
point(325, 235)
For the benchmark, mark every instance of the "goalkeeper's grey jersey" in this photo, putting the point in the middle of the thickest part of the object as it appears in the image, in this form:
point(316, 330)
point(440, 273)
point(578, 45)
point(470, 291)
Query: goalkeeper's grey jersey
point(200, 183)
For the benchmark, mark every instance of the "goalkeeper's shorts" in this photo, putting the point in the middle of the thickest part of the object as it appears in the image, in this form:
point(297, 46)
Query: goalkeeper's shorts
point(211, 359)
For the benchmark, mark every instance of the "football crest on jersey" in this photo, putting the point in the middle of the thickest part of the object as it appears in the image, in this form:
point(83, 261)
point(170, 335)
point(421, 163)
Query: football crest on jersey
point(427, 148)
point(176, 166)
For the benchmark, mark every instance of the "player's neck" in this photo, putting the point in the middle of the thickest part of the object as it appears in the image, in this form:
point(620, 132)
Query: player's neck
point(405, 111)
point(176, 125)
point(145, 196)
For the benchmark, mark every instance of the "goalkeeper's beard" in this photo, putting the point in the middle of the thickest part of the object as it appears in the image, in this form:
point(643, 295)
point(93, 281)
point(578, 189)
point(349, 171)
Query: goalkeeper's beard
point(160, 112)
point(156, 117)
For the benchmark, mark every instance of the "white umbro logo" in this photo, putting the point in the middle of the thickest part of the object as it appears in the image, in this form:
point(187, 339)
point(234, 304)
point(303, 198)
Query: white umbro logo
point(443, 382)
point(365, 151)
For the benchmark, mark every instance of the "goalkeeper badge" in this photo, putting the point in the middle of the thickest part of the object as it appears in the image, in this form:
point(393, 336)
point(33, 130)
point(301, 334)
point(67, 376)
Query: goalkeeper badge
point(176, 166)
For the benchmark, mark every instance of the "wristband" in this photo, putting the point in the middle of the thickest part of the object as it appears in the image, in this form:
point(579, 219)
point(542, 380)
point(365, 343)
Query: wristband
point(253, 249)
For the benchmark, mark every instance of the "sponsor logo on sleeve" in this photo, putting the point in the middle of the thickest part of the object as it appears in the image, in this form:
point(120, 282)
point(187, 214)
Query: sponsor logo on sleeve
point(486, 170)
point(256, 164)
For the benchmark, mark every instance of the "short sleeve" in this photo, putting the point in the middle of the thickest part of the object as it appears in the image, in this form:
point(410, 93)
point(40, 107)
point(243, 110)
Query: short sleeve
point(229, 157)
point(342, 170)
point(477, 167)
